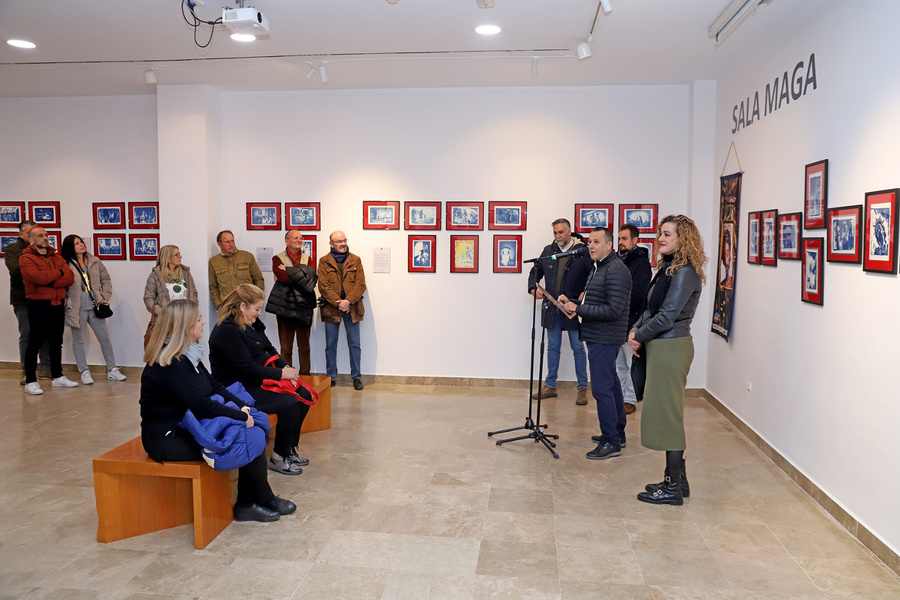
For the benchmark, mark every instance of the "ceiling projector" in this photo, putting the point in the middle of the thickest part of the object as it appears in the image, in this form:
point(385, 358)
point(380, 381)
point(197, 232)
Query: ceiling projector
point(247, 21)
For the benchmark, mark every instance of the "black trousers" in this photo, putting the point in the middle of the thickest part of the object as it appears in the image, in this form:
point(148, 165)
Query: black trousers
point(290, 411)
point(46, 322)
point(253, 483)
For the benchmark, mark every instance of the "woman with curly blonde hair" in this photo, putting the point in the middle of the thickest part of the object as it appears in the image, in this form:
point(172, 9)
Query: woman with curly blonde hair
point(663, 336)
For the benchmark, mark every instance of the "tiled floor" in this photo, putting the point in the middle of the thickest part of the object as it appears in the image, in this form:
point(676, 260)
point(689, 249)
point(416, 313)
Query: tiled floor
point(407, 498)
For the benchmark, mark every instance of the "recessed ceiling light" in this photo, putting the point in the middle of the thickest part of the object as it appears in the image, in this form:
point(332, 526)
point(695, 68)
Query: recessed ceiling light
point(487, 29)
point(243, 37)
point(21, 44)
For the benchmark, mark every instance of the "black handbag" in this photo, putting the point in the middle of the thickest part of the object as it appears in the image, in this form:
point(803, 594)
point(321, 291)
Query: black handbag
point(102, 310)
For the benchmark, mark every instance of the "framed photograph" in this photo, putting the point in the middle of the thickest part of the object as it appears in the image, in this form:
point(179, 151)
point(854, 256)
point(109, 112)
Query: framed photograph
point(844, 227)
point(588, 216)
point(55, 239)
point(507, 254)
point(650, 244)
point(109, 246)
point(11, 214)
point(508, 215)
point(727, 254)
point(768, 223)
point(642, 216)
point(45, 214)
point(463, 253)
point(812, 290)
point(421, 254)
point(465, 216)
point(815, 203)
point(143, 246)
point(304, 216)
point(422, 216)
point(143, 215)
point(309, 248)
point(7, 238)
point(880, 241)
point(753, 253)
point(789, 236)
point(263, 216)
point(381, 215)
point(109, 215)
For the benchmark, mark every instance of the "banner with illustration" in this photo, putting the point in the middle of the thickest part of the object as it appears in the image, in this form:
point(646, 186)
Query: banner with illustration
point(726, 265)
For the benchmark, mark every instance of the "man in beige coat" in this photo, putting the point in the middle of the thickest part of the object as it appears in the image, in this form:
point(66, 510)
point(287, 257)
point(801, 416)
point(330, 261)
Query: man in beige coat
point(342, 283)
point(230, 268)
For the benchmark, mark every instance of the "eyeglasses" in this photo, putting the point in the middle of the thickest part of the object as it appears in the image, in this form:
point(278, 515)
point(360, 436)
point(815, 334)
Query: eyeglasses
point(178, 255)
point(339, 242)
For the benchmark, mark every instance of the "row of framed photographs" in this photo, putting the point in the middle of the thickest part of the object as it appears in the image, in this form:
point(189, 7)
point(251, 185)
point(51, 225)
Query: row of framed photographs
point(642, 216)
point(862, 233)
point(45, 214)
point(107, 246)
point(112, 215)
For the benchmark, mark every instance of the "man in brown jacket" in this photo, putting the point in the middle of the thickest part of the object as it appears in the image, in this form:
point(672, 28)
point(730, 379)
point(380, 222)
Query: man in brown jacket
point(342, 283)
point(46, 276)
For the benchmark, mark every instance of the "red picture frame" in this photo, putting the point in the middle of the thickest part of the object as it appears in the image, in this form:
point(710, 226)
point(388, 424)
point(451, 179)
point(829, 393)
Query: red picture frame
point(844, 229)
point(263, 216)
point(303, 216)
point(812, 273)
point(642, 216)
point(44, 214)
point(753, 238)
point(649, 243)
point(880, 241)
point(7, 238)
point(109, 215)
point(420, 254)
point(588, 216)
point(463, 253)
point(465, 216)
point(815, 197)
point(143, 246)
point(143, 215)
point(507, 254)
point(768, 226)
point(379, 214)
point(509, 216)
point(55, 239)
point(789, 236)
point(309, 248)
point(422, 216)
point(109, 246)
point(12, 214)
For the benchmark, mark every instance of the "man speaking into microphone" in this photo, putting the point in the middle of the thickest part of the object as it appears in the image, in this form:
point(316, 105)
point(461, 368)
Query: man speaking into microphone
point(564, 265)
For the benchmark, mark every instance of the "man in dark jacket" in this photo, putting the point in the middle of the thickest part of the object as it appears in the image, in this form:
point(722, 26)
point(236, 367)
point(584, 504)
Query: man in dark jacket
point(293, 299)
point(564, 276)
point(637, 259)
point(604, 326)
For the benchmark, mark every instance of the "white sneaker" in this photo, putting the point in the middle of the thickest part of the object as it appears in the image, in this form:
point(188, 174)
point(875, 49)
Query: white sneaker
point(33, 388)
point(63, 382)
point(86, 378)
point(115, 375)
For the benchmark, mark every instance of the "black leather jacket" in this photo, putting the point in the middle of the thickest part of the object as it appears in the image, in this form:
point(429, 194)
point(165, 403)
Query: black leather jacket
point(677, 311)
point(573, 279)
point(604, 310)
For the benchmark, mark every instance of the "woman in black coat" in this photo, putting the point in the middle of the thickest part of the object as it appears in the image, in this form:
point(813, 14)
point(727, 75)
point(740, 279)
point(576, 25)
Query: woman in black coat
point(238, 351)
point(174, 381)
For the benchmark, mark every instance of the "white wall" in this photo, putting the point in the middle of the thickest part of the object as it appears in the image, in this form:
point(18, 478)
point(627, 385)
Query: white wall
point(821, 392)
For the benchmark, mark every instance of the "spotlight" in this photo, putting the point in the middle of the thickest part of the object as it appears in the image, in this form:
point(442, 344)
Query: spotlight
point(606, 6)
point(583, 50)
point(392, 1)
point(534, 66)
point(311, 72)
point(150, 76)
point(323, 74)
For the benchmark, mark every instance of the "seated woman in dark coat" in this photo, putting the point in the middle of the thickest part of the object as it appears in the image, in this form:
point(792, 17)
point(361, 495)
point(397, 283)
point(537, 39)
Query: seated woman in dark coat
point(238, 351)
point(174, 381)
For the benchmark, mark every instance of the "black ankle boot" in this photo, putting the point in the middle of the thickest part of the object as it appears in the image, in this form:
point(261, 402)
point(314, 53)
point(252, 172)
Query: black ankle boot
point(685, 486)
point(668, 492)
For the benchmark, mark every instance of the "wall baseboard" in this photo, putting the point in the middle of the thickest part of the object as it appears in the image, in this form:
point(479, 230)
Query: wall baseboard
point(865, 537)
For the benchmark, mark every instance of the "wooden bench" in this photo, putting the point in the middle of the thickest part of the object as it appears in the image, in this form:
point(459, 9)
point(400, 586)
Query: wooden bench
point(137, 495)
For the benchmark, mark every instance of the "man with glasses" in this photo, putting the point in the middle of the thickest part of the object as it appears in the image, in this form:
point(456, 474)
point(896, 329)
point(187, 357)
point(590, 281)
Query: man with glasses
point(342, 283)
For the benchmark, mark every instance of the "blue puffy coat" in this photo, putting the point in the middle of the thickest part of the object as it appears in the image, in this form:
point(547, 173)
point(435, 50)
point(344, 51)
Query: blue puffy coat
point(228, 443)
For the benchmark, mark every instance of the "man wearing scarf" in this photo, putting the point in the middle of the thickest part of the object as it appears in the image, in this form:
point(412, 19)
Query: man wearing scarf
point(342, 283)
point(293, 300)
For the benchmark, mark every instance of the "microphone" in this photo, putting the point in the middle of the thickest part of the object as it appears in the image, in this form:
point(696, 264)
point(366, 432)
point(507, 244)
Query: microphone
point(576, 252)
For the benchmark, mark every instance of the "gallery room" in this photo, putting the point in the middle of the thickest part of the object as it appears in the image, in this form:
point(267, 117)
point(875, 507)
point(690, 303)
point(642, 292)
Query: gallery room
point(133, 129)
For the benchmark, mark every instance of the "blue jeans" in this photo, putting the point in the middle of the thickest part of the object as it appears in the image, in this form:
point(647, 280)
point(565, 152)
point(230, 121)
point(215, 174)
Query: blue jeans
point(607, 391)
point(332, 334)
point(623, 368)
point(554, 345)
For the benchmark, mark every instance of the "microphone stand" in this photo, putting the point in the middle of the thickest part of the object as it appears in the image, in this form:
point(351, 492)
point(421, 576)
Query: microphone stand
point(536, 430)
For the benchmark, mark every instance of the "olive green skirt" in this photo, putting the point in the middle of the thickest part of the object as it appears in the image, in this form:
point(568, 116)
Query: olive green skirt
point(662, 417)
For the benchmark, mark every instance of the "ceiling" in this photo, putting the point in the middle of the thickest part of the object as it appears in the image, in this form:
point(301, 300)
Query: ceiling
point(94, 47)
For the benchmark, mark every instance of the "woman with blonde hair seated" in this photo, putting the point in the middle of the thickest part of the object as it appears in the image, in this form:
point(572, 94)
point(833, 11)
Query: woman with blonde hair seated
point(240, 351)
point(169, 280)
point(175, 380)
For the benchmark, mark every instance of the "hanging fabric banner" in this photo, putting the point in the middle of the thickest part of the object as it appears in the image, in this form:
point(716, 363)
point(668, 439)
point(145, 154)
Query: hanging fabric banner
point(726, 271)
